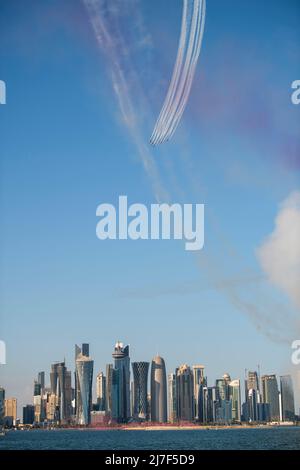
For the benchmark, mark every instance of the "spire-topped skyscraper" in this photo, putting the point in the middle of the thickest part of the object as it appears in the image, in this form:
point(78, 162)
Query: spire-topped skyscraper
point(122, 366)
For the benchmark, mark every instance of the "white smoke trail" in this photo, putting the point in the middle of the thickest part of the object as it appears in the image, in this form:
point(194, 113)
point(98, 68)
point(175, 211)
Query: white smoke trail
point(192, 28)
point(112, 45)
point(190, 75)
point(186, 69)
point(176, 73)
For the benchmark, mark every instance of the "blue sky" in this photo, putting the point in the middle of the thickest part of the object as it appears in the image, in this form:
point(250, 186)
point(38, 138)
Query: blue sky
point(65, 149)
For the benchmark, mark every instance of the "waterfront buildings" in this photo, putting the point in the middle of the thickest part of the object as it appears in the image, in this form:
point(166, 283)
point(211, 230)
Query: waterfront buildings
point(186, 397)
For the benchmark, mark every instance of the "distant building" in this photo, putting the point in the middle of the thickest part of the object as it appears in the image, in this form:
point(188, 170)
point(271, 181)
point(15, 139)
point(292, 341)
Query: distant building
point(41, 379)
point(270, 395)
point(251, 382)
point(99, 418)
point(212, 404)
point(84, 380)
point(184, 392)
point(287, 398)
point(140, 388)
point(122, 366)
point(252, 404)
point(28, 414)
point(10, 410)
point(101, 391)
point(60, 380)
point(198, 379)
point(159, 407)
point(235, 397)
point(172, 399)
point(263, 412)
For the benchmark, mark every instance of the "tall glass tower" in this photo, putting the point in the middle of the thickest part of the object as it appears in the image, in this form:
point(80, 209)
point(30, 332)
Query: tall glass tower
point(287, 398)
point(140, 388)
point(122, 365)
point(270, 394)
point(84, 380)
point(159, 410)
point(185, 393)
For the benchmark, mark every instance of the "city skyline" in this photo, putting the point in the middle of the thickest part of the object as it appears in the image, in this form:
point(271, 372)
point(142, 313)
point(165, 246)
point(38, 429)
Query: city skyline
point(139, 377)
point(72, 139)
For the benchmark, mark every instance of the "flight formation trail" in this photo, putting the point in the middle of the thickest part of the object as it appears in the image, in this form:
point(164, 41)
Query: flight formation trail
point(192, 28)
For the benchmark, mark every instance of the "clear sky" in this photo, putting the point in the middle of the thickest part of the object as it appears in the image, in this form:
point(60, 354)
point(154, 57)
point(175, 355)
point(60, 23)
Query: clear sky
point(66, 147)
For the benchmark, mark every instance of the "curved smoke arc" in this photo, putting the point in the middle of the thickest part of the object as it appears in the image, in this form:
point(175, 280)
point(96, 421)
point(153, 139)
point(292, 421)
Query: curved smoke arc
point(191, 35)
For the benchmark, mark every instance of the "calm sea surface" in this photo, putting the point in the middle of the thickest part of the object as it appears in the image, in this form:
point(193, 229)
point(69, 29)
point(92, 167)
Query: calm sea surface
point(274, 438)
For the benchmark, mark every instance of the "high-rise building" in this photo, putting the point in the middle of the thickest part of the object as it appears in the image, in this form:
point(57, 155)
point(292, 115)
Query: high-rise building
point(109, 394)
point(10, 409)
point(252, 404)
point(60, 380)
point(287, 398)
point(212, 404)
point(101, 391)
point(140, 388)
point(84, 379)
point(203, 406)
point(2, 406)
point(252, 382)
point(122, 365)
point(184, 393)
point(159, 408)
point(52, 407)
point(263, 412)
point(41, 379)
point(198, 379)
point(270, 395)
point(235, 397)
point(172, 401)
point(28, 414)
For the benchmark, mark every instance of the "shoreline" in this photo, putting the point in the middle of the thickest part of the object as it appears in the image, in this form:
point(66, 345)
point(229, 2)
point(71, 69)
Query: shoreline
point(162, 428)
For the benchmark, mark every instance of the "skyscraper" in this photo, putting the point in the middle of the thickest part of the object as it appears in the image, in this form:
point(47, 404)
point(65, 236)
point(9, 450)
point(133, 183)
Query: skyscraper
point(198, 379)
point(252, 404)
point(287, 398)
point(159, 410)
point(60, 384)
point(140, 388)
point(235, 397)
point(270, 395)
point(109, 395)
point(84, 380)
point(41, 379)
point(101, 391)
point(172, 401)
point(28, 414)
point(184, 392)
point(10, 409)
point(122, 365)
point(252, 382)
